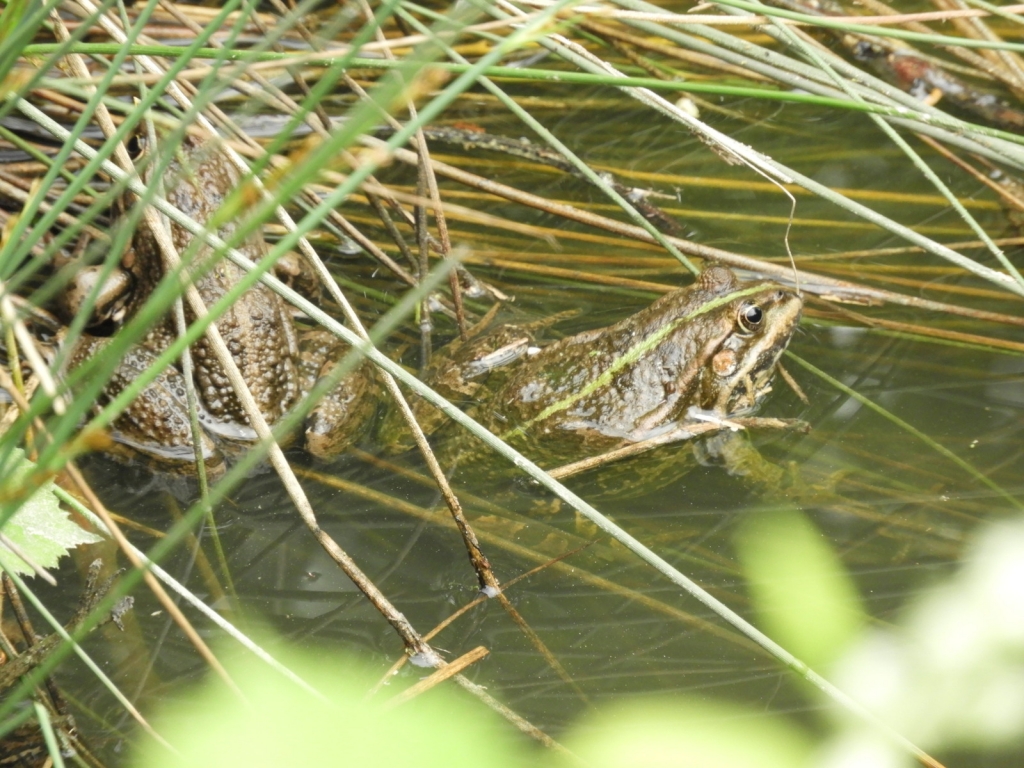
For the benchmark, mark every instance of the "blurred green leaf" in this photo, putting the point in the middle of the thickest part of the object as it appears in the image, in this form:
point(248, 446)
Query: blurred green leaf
point(11, 16)
point(40, 528)
point(279, 724)
point(688, 733)
point(19, 20)
point(799, 588)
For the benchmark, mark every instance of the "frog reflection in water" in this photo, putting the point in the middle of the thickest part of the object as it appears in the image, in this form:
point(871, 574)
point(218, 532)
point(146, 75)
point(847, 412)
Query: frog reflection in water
point(277, 363)
point(712, 346)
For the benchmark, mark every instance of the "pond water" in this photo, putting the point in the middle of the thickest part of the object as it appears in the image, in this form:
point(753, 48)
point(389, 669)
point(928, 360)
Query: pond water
point(896, 511)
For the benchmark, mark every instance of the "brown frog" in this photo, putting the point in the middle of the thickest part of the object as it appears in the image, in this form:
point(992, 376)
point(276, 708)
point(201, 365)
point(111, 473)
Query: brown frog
point(258, 330)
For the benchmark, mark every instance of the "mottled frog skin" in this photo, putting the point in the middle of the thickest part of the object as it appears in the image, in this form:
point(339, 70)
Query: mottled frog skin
point(258, 329)
point(343, 414)
point(156, 423)
point(459, 372)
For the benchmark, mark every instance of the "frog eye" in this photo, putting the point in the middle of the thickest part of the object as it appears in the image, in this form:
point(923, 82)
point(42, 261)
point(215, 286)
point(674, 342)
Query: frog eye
point(750, 317)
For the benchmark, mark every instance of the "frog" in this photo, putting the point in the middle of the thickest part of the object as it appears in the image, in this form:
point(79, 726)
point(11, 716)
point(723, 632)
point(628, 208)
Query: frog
point(708, 350)
point(258, 329)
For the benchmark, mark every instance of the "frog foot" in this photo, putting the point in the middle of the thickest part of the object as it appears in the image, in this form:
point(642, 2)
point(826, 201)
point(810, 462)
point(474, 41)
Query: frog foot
point(341, 416)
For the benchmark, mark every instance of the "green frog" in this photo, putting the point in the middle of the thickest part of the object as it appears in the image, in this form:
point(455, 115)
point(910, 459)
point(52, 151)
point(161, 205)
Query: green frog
point(712, 346)
point(705, 351)
point(258, 329)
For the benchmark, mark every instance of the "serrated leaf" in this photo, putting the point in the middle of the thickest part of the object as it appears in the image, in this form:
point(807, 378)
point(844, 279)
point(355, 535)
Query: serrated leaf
point(40, 529)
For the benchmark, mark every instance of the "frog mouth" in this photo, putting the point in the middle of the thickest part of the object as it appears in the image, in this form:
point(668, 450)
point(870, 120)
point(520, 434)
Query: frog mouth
point(749, 390)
